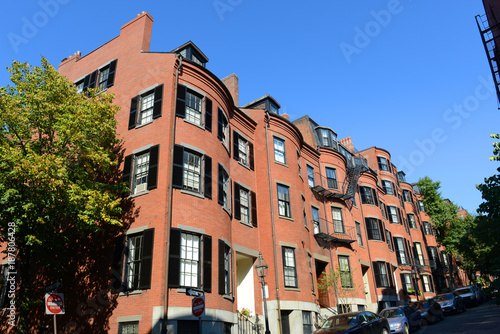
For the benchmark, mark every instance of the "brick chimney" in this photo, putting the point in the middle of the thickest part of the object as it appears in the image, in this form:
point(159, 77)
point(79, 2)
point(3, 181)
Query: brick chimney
point(138, 32)
point(231, 82)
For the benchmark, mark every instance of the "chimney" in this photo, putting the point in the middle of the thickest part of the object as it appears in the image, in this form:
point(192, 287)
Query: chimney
point(138, 31)
point(231, 82)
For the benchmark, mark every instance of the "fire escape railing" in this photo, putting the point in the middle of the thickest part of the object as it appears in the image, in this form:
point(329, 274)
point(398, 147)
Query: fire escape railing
point(334, 231)
point(490, 34)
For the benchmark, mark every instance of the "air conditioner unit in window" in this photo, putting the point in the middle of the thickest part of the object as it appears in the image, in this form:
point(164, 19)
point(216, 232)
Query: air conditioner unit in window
point(141, 187)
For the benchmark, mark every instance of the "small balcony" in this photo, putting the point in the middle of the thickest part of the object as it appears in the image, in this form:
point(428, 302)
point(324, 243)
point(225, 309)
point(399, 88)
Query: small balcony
point(419, 264)
point(334, 231)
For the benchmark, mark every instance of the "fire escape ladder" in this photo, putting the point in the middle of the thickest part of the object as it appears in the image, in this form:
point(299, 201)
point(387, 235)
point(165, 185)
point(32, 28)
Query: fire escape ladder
point(351, 181)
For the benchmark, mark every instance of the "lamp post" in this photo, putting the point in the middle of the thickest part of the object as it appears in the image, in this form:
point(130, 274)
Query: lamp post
point(261, 268)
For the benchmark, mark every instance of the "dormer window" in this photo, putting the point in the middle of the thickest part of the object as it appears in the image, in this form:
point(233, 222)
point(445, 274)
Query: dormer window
point(328, 138)
point(402, 176)
point(273, 108)
point(191, 52)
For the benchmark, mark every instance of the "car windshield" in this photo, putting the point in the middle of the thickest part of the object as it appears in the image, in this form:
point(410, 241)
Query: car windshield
point(392, 313)
point(343, 320)
point(441, 298)
point(463, 291)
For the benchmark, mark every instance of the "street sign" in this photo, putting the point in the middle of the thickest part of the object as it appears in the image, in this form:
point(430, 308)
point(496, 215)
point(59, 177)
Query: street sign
point(54, 303)
point(54, 286)
point(194, 292)
point(198, 306)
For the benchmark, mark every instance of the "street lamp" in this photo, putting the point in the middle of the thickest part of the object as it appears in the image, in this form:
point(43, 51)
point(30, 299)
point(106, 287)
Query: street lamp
point(261, 268)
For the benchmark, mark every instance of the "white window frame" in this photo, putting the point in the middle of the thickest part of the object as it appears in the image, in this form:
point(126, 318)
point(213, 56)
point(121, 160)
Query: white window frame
point(279, 150)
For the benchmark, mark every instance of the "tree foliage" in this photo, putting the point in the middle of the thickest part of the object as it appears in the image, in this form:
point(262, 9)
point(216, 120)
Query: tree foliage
point(58, 168)
point(453, 231)
point(488, 221)
point(341, 284)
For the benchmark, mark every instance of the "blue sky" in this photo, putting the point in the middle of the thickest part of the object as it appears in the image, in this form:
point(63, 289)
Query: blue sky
point(409, 76)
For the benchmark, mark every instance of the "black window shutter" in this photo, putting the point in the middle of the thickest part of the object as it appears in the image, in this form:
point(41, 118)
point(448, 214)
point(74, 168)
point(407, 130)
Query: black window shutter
point(132, 121)
point(178, 166)
point(376, 271)
point(400, 217)
point(386, 208)
point(180, 108)
point(375, 198)
point(220, 184)
point(208, 114)
point(127, 170)
point(236, 150)
point(116, 279)
point(147, 259)
point(394, 189)
point(93, 79)
point(208, 177)
point(250, 155)
point(174, 261)
point(158, 101)
point(369, 228)
point(222, 285)
point(219, 123)
point(153, 167)
point(111, 74)
point(237, 207)
point(207, 263)
point(403, 282)
point(389, 274)
point(86, 82)
point(382, 231)
point(254, 208)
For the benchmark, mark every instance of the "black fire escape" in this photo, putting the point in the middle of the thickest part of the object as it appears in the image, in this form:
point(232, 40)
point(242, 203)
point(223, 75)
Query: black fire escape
point(490, 34)
point(329, 189)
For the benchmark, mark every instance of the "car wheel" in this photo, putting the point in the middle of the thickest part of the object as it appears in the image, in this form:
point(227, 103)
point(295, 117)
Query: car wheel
point(384, 331)
point(407, 330)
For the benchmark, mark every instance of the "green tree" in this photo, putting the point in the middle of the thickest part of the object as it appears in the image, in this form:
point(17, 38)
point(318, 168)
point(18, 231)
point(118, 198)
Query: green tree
point(59, 180)
point(452, 230)
point(341, 284)
point(488, 221)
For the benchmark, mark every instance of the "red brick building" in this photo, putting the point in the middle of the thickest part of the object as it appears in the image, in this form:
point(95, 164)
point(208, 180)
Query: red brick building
point(218, 183)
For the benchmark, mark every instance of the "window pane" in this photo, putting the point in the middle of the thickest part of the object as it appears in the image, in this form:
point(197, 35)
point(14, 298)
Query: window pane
point(190, 257)
point(279, 150)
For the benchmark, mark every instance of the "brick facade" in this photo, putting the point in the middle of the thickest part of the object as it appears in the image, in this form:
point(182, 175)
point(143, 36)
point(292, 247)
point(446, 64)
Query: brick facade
point(209, 236)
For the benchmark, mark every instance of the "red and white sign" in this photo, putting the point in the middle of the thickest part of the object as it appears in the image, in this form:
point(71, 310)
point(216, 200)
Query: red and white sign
point(199, 306)
point(54, 303)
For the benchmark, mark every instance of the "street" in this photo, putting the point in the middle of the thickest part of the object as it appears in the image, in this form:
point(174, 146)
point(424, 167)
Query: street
point(482, 319)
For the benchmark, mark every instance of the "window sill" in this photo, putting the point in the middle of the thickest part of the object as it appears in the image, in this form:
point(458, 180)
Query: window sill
point(247, 166)
point(228, 297)
point(286, 218)
point(201, 126)
point(139, 194)
point(143, 125)
point(281, 163)
point(131, 292)
point(246, 224)
point(292, 289)
point(192, 193)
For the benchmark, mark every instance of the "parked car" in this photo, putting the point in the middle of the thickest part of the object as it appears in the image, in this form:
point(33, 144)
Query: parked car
point(451, 302)
point(402, 319)
point(470, 295)
point(362, 322)
point(429, 309)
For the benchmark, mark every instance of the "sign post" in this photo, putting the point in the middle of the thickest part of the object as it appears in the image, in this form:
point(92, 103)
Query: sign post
point(54, 304)
point(199, 308)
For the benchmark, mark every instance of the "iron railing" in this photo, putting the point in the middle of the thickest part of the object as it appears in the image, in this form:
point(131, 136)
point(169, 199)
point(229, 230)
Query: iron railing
point(334, 231)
